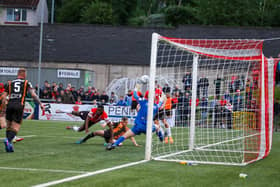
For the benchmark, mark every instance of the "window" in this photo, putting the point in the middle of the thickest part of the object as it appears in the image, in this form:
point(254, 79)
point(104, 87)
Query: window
point(16, 15)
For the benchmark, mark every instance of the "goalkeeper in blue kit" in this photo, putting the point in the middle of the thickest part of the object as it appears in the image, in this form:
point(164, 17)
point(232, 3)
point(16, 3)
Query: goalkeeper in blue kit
point(140, 121)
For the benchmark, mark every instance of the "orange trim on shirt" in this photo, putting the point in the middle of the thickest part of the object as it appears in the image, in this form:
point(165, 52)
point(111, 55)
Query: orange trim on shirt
point(24, 92)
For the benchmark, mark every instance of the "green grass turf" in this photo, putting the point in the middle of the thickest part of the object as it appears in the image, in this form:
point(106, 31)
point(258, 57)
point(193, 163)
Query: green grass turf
point(54, 148)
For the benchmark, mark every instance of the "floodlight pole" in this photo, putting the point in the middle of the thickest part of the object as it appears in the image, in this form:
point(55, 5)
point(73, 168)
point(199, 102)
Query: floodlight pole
point(52, 12)
point(41, 45)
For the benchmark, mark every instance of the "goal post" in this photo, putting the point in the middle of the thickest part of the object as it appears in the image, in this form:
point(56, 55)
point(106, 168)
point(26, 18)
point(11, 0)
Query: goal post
point(224, 89)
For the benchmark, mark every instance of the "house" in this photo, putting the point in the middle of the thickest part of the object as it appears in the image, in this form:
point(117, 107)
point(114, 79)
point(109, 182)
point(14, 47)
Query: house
point(22, 12)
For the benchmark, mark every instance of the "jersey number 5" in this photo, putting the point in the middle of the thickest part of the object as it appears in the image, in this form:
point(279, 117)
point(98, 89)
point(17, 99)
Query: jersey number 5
point(17, 87)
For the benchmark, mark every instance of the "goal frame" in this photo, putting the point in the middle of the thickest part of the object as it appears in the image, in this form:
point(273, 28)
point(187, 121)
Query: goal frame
point(266, 102)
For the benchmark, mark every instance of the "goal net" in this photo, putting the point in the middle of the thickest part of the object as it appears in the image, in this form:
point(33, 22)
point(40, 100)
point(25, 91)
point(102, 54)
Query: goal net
point(232, 84)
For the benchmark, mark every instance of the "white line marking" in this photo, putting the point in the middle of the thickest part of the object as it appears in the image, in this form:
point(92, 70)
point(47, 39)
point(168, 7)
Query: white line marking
point(42, 170)
point(89, 174)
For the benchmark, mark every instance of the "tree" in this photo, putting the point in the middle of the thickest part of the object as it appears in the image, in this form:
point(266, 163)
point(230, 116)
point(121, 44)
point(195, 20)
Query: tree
point(176, 15)
point(70, 11)
point(123, 10)
point(220, 12)
point(176, 12)
point(97, 13)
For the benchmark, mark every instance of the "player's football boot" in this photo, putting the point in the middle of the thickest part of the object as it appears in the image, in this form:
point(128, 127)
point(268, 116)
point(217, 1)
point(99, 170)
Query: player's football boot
point(80, 141)
point(171, 140)
point(17, 139)
point(69, 127)
point(110, 146)
point(8, 146)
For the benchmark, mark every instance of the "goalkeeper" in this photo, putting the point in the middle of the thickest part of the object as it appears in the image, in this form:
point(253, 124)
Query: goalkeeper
point(115, 131)
point(140, 121)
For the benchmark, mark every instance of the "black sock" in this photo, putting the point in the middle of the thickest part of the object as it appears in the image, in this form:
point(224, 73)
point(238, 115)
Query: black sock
point(90, 135)
point(10, 135)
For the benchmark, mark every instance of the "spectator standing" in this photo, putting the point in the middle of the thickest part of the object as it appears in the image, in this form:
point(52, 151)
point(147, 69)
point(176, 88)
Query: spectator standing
point(204, 111)
point(248, 93)
point(67, 97)
point(218, 115)
point(218, 83)
point(177, 89)
point(174, 100)
point(46, 85)
point(203, 85)
point(227, 96)
point(88, 94)
point(113, 98)
point(213, 104)
point(55, 93)
point(74, 93)
point(45, 94)
point(166, 88)
point(53, 85)
point(183, 109)
point(121, 102)
point(94, 95)
point(60, 87)
point(187, 81)
point(81, 93)
point(128, 98)
point(237, 101)
point(227, 114)
point(104, 97)
point(238, 84)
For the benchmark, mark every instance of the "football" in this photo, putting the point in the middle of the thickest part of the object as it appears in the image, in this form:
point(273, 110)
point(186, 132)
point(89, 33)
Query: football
point(144, 79)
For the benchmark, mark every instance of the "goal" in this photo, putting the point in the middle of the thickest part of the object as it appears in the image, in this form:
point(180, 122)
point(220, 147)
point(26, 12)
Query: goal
point(232, 84)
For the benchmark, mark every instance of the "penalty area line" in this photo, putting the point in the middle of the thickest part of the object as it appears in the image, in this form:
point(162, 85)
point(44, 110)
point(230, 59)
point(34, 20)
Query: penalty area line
point(42, 170)
point(89, 174)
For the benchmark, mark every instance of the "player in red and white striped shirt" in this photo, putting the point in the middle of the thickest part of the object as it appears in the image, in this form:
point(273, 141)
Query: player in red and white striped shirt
point(90, 118)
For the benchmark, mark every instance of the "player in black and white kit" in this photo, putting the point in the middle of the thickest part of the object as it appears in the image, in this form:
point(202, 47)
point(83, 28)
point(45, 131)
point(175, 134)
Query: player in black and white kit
point(17, 90)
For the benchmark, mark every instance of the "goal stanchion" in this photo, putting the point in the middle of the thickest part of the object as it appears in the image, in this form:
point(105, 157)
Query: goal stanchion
point(225, 100)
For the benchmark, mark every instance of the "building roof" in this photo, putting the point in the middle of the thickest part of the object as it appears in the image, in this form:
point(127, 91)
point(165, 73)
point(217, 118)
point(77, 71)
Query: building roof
point(95, 44)
point(19, 3)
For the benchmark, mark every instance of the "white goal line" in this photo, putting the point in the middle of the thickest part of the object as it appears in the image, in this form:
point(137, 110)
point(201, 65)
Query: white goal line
point(89, 174)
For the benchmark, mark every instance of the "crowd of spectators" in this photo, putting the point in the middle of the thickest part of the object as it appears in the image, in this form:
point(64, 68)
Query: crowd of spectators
point(68, 94)
point(230, 94)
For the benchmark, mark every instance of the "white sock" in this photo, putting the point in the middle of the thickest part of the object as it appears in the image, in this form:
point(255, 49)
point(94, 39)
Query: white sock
point(75, 128)
point(170, 121)
point(168, 131)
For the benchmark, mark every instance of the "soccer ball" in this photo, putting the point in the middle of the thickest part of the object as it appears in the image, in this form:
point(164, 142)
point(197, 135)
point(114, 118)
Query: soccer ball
point(144, 79)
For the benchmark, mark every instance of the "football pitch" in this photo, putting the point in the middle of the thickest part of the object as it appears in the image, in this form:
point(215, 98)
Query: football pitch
point(49, 153)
